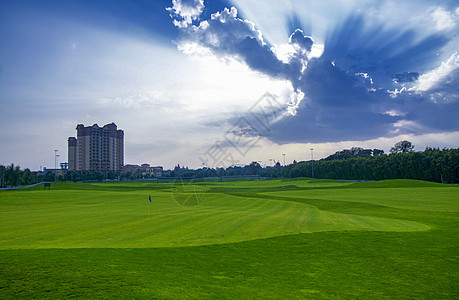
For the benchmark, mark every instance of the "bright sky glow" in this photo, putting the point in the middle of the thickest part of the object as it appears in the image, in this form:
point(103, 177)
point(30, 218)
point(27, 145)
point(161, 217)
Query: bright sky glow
point(178, 75)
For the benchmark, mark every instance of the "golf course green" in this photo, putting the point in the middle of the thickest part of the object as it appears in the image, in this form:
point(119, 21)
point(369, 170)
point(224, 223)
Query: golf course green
point(297, 238)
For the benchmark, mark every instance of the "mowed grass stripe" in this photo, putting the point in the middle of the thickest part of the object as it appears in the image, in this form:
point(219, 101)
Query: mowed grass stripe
point(78, 219)
point(355, 263)
point(221, 225)
point(442, 199)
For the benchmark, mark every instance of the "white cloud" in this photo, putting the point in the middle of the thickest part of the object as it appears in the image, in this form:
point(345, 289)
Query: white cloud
point(225, 15)
point(444, 20)
point(437, 76)
point(394, 113)
point(284, 52)
point(225, 26)
point(153, 99)
point(407, 126)
point(229, 38)
point(185, 11)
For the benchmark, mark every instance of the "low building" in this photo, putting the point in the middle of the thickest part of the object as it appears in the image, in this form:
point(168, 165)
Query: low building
point(60, 172)
point(144, 171)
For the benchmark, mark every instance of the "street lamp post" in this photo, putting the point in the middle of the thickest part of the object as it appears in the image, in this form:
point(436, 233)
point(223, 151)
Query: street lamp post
point(283, 169)
point(312, 160)
point(55, 165)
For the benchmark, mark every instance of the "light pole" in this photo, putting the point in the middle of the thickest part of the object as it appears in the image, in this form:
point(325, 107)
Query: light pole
point(312, 160)
point(283, 169)
point(55, 165)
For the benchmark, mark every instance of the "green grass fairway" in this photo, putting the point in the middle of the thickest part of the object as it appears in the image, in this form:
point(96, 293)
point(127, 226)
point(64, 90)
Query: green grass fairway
point(266, 239)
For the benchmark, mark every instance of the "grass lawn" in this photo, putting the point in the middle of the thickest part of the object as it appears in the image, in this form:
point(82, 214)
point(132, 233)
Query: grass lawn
point(264, 239)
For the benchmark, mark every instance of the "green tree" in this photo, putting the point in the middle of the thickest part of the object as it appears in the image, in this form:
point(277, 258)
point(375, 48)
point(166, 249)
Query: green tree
point(12, 174)
point(2, 178)
point(402, 147)
point(49, 176)
point(26, 177)
point(378, 152)
point(254, 168)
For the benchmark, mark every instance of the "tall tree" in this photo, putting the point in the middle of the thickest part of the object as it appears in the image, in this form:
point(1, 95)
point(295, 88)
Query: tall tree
point(402, 147)
point(2, 179)
point(378, 152)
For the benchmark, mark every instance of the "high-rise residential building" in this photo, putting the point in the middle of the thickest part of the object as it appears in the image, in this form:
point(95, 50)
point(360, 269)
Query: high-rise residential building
point(96, 148)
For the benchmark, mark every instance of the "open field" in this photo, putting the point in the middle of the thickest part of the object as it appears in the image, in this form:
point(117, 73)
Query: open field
point(270, 239)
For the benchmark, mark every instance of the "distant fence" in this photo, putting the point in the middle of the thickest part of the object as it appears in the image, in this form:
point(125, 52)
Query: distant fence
point(211, 179)
point(242, 178)
point(24, 186)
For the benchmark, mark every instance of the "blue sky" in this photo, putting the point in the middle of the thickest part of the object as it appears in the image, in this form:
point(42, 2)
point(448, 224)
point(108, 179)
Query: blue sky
point(188, 80)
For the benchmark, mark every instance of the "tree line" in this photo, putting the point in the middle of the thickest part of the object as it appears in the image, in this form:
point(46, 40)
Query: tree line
point(13, 176)
point(432, 164)
point(254, 168)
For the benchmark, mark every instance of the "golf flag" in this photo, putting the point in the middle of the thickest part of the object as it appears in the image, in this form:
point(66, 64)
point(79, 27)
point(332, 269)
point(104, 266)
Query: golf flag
point(149, 198)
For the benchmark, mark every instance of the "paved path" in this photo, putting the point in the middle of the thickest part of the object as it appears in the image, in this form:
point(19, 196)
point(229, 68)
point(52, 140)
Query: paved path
point(20, 187)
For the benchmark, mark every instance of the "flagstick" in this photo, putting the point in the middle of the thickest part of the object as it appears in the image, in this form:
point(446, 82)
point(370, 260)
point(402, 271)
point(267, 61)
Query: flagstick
point(149, 199)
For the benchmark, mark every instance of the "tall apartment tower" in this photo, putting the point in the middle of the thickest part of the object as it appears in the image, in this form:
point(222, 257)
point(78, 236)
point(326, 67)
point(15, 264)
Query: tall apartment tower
point(96, 148)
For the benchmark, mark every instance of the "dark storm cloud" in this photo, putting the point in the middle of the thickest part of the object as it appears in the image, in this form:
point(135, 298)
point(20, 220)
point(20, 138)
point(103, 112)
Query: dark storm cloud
point(337, 107)
point(304, 42)
point(226, 35)
point(348, 89)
